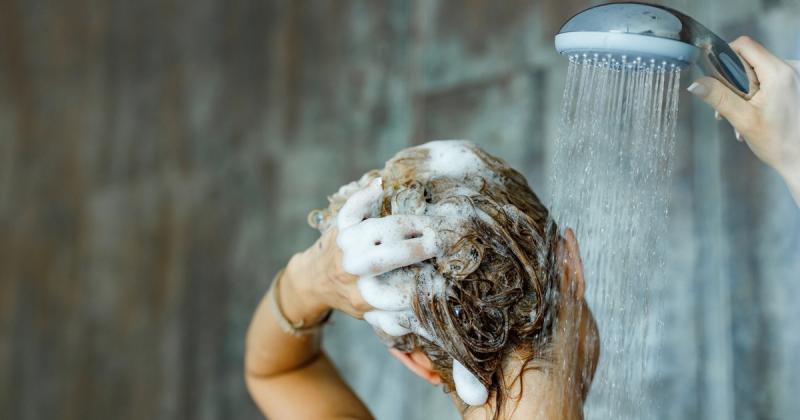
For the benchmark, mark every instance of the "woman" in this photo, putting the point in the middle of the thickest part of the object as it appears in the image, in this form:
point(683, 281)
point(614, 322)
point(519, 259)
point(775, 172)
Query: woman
point(462, 273)
point(289, 377)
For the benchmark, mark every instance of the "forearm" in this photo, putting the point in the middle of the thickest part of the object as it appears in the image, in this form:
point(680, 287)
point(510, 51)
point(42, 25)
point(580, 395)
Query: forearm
point(289, 376)
point(269, 351)
point(270, 355)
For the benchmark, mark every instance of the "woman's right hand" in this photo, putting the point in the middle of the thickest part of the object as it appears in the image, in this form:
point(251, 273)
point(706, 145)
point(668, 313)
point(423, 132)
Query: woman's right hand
point(770, 120)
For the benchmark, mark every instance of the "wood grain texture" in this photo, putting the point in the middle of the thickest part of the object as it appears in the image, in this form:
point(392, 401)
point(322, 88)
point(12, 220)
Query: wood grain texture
point(158, 160)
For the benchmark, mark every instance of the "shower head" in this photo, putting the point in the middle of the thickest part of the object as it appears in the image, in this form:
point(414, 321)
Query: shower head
point(639, 32)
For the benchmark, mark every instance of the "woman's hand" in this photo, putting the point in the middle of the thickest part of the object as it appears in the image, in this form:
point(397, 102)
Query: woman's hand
point(314, 283)
point(324, 277)
point(770, 120)
point(287, 374)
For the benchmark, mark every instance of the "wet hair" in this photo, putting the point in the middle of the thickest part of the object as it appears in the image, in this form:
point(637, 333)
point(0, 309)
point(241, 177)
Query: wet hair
point(500, 279)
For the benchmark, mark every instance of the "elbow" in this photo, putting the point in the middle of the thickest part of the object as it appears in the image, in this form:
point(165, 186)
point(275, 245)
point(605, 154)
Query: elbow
point(254, 379)
point(251, 382)
point(253, 368)
point(256, 386)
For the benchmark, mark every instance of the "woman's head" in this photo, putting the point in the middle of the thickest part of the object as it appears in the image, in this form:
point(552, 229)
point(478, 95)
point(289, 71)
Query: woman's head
point(499, 287)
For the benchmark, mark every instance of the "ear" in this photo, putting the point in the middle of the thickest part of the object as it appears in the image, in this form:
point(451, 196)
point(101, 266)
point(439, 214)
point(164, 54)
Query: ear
point(419, 363)
point(571, 265)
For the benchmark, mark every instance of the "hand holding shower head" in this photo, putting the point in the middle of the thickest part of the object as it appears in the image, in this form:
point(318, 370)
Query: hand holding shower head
point(653, 32)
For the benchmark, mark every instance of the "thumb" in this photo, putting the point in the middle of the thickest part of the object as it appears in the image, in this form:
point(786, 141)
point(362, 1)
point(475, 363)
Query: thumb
point(730, 105)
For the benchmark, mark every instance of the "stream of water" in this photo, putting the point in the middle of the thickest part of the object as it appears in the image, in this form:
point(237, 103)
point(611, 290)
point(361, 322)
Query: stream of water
point(611, 179)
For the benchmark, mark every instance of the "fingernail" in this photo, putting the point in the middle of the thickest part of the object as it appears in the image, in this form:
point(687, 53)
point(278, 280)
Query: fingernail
point(698, 89)
point(717, 116)
point(738, 136)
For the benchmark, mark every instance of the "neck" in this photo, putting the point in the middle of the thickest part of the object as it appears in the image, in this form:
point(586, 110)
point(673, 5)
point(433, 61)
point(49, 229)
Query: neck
point(540, 394)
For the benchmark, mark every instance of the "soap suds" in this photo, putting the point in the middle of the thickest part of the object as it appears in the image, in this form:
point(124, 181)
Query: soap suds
point(324, 219)
point(453, 159)
point(390, 291)
point(376, 246)
point(468, 387)
point(435, 196)
point(430, 282)
point(398, 323)
point(394, 323)
point(361, 205)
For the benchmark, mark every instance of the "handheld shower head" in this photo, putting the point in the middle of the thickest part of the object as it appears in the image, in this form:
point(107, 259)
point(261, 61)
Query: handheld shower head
point(622, 31)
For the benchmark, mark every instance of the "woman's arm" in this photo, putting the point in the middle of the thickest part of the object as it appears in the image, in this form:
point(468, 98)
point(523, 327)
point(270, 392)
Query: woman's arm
point(289, 376)
point(770, 120)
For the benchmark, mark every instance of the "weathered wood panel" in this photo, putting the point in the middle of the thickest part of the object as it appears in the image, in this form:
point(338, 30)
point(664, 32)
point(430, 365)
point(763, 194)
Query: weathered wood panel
point(158, 160)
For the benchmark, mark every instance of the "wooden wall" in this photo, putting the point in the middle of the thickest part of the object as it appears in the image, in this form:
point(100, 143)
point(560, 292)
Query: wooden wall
point(158, 160)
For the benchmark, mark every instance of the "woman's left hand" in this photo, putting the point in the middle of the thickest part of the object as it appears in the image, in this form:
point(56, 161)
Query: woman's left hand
point(769, 121)
point(325, 276)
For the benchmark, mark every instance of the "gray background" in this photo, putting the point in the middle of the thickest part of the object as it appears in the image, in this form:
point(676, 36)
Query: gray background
point(158, 160)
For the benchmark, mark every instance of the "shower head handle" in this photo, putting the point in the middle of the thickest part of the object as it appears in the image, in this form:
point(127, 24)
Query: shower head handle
point(722, 63)
point(655, 30)
point(718, 60)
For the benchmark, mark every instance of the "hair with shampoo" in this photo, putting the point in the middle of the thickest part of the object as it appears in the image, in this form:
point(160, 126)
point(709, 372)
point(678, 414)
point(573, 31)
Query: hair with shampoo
point(501, 289)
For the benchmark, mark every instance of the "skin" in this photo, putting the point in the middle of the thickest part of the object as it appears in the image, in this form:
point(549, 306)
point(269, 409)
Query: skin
point(291, 377)
point(558, 389)
point(770, 121)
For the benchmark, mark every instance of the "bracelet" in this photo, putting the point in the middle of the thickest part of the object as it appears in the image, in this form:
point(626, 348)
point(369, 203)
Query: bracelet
point(286, 326)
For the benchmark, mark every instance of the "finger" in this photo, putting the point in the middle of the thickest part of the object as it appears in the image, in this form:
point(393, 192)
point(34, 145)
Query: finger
point(361, 205)
point(390, 291)
point(422, 332)
point(376, 246)
point(383, 230)
point(394, 290)
point(730, 105)
point(398, 324)
point(387, 257)
point(763, 62)
point(393, 323)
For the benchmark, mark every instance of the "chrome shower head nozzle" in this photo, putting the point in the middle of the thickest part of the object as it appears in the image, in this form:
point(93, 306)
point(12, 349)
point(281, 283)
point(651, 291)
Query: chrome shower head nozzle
point(628, 31)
